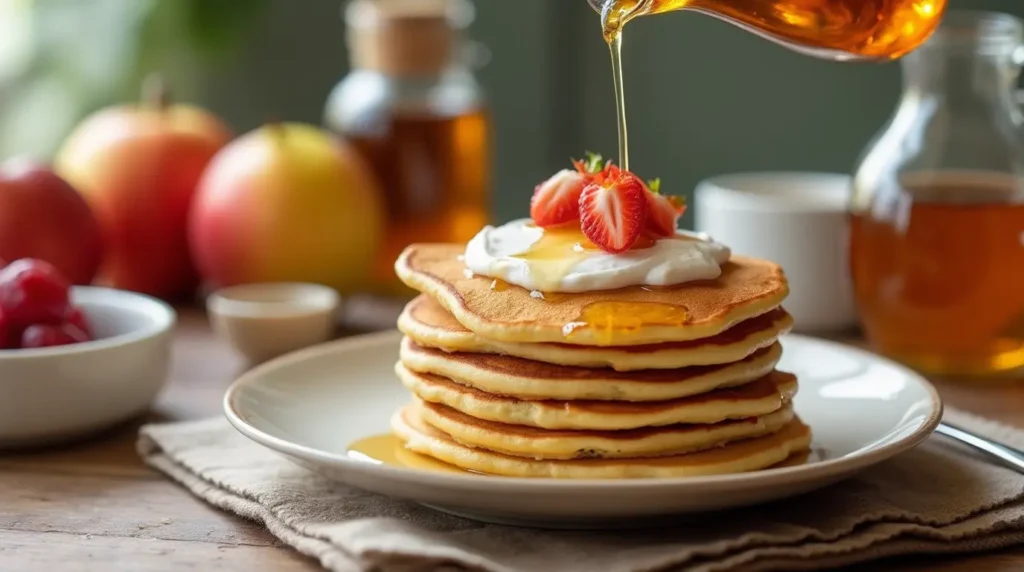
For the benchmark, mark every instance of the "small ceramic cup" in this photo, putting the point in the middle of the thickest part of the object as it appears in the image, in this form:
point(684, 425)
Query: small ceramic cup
point(797, 220)
point(263, 321)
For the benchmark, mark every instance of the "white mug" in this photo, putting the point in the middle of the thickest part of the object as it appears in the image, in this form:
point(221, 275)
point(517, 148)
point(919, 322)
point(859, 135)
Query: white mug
point(797, 220)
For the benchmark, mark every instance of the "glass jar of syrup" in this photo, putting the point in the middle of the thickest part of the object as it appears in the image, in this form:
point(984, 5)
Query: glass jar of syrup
point(414, 110)
point(937, 229)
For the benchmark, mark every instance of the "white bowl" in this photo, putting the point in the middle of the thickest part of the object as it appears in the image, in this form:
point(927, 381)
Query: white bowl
point(263, 321)
point(54, 394)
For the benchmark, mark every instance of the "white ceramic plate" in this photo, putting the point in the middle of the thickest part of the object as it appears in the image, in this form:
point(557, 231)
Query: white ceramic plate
point(311, 405)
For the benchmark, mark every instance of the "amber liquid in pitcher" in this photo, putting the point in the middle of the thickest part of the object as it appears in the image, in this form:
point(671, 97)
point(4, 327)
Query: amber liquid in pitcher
point(433, 172)
point(940, 282)
point(877, 29)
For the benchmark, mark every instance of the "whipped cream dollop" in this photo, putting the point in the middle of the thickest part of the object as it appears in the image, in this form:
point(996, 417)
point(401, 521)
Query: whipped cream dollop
point(564, 260)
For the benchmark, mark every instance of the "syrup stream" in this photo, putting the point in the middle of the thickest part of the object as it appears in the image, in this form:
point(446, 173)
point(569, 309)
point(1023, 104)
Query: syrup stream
point(615, 45)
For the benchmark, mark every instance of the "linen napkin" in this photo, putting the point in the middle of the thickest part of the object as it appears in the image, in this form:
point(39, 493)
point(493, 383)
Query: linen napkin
point(935, 499)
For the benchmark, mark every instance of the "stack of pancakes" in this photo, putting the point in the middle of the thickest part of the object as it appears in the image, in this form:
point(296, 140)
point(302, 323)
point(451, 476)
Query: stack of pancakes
point(637, 382)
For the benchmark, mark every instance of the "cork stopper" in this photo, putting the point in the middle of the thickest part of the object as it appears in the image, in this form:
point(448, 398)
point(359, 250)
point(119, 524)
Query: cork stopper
point(407, 38)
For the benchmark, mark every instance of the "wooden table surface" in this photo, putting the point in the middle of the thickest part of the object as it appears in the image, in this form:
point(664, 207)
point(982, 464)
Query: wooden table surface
point(95, 506)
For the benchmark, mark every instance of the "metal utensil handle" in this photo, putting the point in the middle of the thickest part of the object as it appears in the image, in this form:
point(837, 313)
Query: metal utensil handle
point(1008, 456)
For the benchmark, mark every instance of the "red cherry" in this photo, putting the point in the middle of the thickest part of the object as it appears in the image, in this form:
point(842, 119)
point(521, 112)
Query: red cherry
point(33, 292)
point(49, 335)
point(76, 317)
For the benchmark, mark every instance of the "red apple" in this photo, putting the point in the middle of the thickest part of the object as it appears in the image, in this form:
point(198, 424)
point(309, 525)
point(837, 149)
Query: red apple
point(42, 216)
point(138, 167)
point(287, 202)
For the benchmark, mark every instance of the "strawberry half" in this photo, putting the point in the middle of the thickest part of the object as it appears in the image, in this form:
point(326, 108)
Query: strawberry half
point(613, 209)
point(557, 200)
point(663, 211)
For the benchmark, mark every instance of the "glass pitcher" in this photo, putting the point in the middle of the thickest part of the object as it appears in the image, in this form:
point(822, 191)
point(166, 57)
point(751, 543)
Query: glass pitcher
point(832, 29)
point(937, 227)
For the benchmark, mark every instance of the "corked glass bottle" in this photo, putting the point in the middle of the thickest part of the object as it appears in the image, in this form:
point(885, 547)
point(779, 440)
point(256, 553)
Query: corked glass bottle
point(413, 108)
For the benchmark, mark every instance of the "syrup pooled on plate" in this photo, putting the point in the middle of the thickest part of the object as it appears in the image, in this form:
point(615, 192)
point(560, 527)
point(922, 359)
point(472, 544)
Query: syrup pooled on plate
point(387, 449)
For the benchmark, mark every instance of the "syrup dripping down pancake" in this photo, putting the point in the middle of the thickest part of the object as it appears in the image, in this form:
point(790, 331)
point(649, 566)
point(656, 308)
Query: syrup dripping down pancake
point(430, 325)
point(737, 457)
point(531, 442)
point(528, 379)
point(759, 397)
point(630, 316)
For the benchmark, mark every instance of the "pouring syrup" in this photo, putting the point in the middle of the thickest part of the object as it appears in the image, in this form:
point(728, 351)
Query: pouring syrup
point(842, 30)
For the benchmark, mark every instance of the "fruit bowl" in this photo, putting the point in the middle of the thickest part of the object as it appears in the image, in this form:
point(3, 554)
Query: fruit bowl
point(59, 393)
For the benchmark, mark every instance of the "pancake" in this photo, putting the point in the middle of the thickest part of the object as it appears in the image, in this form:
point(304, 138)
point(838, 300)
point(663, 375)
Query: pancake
point(747, 288)
point(430, 325)
point(759, 397)
point(527, 379)
point(737, 457)
point(521, 441)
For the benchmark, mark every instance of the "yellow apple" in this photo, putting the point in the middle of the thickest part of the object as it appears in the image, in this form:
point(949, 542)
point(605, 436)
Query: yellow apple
point(287, 202)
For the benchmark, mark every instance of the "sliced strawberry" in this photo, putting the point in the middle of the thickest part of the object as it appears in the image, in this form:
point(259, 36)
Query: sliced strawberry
point(613, 209)
point(663, 212)
point(557, 200)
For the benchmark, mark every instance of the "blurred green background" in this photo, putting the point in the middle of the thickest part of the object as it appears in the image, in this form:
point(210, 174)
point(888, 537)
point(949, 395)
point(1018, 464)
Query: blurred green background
point(704, 97)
